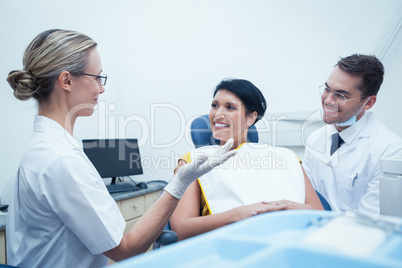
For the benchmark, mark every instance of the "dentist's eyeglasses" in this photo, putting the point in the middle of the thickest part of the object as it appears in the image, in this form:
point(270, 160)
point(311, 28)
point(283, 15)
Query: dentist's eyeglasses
point(101, 78)
point(338, 97)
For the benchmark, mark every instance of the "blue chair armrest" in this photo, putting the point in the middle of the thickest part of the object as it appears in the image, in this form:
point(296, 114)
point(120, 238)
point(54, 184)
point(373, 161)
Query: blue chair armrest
point(167, 237)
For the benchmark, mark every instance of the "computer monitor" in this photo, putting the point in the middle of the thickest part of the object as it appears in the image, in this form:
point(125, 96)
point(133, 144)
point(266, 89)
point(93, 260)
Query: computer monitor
point(114, 157)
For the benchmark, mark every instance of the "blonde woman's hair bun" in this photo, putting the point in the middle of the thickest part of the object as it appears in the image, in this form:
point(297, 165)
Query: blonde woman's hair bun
point(23, 84)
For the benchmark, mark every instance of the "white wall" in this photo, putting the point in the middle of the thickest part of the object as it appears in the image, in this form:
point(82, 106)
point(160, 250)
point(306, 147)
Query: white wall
point(170, 54)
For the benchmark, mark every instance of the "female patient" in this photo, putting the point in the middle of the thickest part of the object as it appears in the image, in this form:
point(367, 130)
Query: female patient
point(62, 214)
point(259, 179)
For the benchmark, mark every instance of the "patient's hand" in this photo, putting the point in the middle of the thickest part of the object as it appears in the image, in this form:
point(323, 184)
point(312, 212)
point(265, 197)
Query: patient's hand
point(247, 211)
point(289, 204)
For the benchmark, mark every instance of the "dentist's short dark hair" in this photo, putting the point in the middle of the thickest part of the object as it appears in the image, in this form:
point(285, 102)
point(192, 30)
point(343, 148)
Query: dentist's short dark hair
point(368, 67)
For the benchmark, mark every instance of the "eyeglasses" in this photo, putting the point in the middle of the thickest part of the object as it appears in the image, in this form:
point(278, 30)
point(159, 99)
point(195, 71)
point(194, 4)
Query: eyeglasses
point(338, 97)
point(101, 78)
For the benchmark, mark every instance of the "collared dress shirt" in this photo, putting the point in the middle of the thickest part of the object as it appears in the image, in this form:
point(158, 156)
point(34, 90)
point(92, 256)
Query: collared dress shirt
point(61, 214)
point(349, 179)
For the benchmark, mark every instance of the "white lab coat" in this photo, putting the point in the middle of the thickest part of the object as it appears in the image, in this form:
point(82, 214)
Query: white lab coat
point(349, 179)
point(61, 214)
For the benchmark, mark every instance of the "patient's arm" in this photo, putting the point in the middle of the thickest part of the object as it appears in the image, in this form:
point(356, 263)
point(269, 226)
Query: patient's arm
point(187, 222)
point(311, 195)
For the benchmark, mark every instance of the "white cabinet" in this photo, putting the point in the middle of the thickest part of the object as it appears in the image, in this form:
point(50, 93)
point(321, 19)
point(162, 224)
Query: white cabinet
point(133, 208)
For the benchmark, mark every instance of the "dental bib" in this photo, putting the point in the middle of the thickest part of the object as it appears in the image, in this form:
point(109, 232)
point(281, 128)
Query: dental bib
point(258, 172)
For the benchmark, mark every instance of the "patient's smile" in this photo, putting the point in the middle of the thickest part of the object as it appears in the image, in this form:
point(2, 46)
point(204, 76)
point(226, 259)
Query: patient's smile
point(220, 125)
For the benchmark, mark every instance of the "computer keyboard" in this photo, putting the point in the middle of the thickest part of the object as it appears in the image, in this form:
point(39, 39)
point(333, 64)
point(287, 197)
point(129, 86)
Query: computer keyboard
point(121, 187)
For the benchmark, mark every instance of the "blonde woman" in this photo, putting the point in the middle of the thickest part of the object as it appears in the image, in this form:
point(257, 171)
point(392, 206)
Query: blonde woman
point(62, 214)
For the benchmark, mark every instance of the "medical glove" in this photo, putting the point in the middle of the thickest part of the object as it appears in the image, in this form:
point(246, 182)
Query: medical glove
point(201, 165)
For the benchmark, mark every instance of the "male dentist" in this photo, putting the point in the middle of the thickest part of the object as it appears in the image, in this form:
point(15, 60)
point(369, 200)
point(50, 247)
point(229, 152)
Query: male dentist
point(342, 159)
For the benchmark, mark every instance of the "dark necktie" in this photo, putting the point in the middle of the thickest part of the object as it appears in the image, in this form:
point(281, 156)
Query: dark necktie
point(336, 142)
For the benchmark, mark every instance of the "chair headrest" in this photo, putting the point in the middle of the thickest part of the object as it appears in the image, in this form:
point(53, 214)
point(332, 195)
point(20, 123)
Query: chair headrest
point(201, 133)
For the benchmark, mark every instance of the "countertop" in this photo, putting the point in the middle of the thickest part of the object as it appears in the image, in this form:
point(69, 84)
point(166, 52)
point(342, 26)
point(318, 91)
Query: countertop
point(152, 187)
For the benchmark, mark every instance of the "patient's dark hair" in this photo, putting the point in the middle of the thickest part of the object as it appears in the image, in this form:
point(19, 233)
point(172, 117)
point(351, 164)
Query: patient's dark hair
point(368, 67)
point(248, 93)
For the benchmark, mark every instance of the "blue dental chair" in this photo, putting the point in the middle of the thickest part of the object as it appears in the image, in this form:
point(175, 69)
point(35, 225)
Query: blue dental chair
point(167, 237)
point(324, 201)
point(201, 135)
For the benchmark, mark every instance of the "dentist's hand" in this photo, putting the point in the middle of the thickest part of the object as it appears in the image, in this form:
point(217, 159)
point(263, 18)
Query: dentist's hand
point(200, 166)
